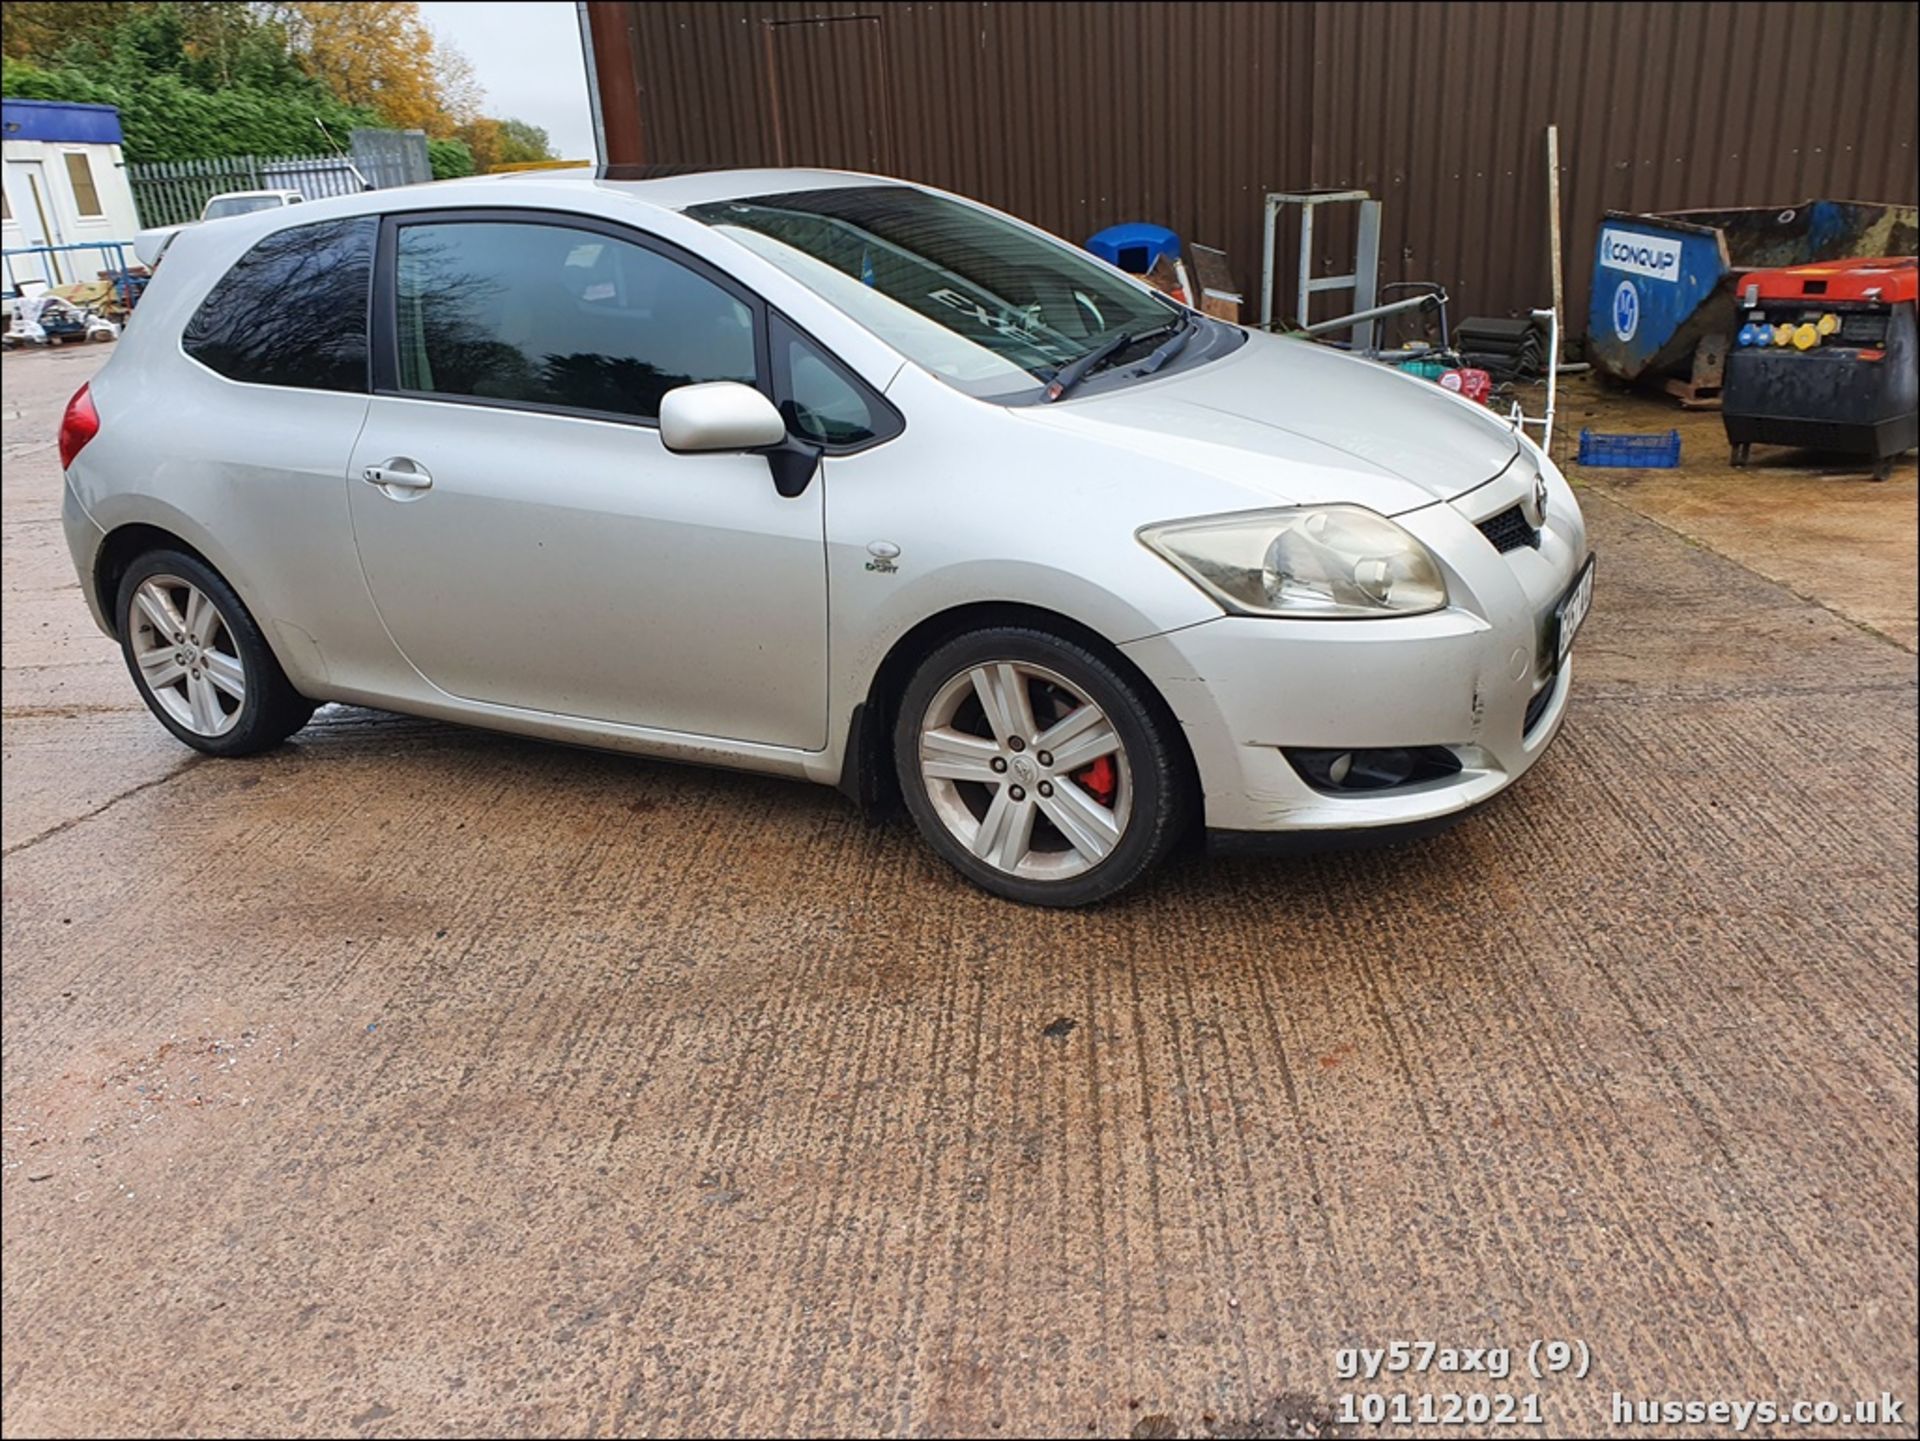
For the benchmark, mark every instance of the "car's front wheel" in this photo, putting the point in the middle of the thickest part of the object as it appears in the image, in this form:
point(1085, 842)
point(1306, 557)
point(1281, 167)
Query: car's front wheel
point(1037, 768)
point(199, 659)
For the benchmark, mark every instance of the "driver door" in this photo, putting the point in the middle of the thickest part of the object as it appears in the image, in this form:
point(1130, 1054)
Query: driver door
point(526, 537)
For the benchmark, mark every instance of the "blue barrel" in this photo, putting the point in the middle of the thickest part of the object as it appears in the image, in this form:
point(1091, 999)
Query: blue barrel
point(1135, 245)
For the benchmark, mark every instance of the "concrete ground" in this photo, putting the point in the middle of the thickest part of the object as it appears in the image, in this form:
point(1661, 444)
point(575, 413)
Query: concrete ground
point(417, 1080)
point(1817, 523)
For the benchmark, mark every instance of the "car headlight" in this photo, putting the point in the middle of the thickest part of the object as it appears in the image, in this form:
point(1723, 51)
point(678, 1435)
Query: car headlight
point(1338, 562)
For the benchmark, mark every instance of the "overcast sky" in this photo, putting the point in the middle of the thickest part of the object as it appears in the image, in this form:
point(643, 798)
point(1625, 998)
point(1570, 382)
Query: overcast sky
point(526, 55)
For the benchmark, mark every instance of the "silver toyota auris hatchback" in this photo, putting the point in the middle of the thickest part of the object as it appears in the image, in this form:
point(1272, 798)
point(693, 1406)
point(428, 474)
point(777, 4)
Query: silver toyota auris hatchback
point(827, 476)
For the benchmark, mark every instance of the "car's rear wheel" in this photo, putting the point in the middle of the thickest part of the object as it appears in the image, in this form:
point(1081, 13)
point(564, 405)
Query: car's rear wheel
point(1037, 768)
point(199, 660)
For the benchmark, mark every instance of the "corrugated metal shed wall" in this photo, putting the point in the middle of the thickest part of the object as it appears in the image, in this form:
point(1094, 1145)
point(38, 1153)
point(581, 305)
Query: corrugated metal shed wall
point(1069, 115)
point(1441, 111)
point(1075, 116)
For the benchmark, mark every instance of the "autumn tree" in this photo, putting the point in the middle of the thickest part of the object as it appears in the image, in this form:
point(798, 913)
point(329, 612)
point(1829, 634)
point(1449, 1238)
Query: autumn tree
point(192, 79)
point(44, 31)
point(200, 78)
point(460, 89)
point(504, 142)
point(383, 56)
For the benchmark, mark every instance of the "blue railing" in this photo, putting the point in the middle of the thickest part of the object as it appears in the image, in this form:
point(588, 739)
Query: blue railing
point(113, 251)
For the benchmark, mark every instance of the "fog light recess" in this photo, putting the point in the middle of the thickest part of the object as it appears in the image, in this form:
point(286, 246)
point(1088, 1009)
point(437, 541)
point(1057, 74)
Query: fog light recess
point(1379, 768)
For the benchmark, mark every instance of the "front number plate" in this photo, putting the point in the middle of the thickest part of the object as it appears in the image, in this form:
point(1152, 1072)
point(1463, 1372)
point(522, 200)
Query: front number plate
point(1571, 611)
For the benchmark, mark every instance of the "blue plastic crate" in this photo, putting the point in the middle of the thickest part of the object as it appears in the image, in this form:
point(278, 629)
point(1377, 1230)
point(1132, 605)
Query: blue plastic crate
point(1639, 452)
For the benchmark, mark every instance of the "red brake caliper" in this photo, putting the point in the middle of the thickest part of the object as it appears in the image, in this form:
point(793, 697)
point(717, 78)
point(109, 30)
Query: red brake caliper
point(1099, 780)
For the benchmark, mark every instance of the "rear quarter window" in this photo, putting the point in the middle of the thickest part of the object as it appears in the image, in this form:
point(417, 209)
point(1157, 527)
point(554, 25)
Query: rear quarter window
point(293, 310)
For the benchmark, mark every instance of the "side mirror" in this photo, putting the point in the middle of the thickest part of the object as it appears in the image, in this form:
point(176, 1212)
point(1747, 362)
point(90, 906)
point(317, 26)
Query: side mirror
point(719, 415)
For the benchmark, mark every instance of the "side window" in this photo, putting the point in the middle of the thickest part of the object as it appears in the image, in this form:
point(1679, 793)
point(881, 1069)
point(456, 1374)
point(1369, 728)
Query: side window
point(86, 198)
point(550, 315)
point(821, 401)
point(293, 310)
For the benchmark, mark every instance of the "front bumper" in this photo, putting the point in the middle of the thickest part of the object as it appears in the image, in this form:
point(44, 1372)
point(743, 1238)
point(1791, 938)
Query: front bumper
point(1464, 677)
point(1320, 842)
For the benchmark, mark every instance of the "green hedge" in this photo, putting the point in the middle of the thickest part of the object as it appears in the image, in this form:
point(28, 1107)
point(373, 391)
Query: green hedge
point(164, 118)
point(450, 159)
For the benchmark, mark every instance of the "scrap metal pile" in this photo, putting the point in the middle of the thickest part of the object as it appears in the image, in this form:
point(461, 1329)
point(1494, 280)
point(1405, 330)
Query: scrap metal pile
point(49, 319)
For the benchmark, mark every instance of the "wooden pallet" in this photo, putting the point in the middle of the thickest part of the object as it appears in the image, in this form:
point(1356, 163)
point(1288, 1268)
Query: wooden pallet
point(1692, 396)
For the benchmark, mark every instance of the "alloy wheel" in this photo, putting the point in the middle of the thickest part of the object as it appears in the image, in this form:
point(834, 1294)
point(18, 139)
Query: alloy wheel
point(187, 656)
point(1025, 770)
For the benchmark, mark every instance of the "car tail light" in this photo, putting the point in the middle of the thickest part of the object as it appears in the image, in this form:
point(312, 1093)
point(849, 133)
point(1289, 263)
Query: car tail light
point(80, 424)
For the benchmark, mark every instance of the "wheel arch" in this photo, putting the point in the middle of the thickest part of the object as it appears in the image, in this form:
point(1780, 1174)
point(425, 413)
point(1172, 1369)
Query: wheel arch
point(866, 769)
point(120, 548)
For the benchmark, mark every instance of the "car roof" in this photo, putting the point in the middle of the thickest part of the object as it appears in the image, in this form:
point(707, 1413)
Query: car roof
point(675, 187)
point(664, 190)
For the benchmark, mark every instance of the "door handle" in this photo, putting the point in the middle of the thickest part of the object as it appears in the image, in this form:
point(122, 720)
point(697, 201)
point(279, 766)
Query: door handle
point(398, 474)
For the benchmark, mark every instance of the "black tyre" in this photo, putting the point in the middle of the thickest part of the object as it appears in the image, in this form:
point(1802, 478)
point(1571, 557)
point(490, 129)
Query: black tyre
point(199, 661)
point(1038, 769)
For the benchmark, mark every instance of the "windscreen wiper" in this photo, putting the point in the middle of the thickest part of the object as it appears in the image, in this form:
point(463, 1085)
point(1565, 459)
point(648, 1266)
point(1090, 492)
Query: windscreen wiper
point(1074, 371)
point(1167, 348)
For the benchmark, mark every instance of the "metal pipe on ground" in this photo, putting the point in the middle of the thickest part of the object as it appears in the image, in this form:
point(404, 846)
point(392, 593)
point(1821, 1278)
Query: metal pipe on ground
point(1360, 317)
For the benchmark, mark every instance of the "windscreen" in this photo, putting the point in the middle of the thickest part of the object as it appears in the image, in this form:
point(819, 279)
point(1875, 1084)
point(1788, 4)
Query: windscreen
point(989, 306)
